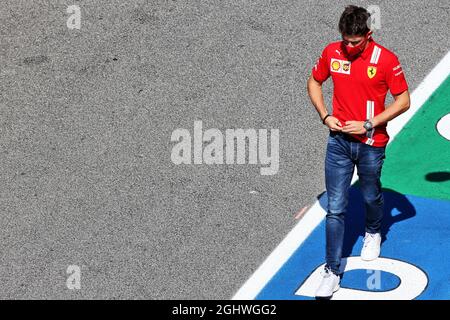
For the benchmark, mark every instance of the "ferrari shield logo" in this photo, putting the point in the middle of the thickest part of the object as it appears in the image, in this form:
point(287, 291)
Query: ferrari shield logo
point(371, 72)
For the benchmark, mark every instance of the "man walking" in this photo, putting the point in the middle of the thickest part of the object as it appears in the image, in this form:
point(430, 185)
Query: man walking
point(363, 72)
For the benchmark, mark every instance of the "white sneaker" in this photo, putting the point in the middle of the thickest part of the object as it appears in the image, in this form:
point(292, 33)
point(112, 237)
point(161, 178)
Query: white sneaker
point(371, 247)
point(329, 284)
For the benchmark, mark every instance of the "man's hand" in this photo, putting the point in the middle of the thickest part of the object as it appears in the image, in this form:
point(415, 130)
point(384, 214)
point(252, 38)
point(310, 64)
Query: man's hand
point(333, 123)
point(354, 127)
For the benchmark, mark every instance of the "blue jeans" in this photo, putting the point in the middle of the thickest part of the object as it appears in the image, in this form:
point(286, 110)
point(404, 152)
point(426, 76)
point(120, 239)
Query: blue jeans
point(343, 153)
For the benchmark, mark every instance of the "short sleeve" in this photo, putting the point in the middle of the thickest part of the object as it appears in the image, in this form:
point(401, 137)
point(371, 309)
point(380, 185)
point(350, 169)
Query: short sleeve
point(395, 77)
point(321, 70)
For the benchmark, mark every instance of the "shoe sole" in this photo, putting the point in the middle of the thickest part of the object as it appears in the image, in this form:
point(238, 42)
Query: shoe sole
point(370, 259)
point(329, 297)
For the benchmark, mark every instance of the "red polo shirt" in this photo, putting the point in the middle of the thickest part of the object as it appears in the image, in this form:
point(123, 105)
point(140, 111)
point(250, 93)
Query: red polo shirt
point(361, 85)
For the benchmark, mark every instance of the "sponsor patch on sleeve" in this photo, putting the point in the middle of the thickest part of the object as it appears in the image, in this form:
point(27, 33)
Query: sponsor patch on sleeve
point(397, 70)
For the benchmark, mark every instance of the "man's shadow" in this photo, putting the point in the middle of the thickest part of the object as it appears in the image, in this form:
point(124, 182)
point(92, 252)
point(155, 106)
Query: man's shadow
point(355, 215)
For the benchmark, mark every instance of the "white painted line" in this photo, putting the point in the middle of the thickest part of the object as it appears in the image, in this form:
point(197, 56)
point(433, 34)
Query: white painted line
point(316, 214)
point(281, 253)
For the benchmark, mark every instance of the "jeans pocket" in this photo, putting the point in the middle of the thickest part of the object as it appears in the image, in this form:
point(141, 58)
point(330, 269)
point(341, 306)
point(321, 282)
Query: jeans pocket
point(382, 152)
point(380, 155)
point(332, 137)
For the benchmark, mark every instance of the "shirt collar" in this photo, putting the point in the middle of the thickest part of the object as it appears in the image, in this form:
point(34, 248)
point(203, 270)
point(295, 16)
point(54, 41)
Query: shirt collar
point(368, 51)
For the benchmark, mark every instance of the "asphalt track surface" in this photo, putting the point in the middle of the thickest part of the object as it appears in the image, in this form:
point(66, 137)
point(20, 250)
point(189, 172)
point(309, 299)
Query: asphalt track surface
point(86, 119)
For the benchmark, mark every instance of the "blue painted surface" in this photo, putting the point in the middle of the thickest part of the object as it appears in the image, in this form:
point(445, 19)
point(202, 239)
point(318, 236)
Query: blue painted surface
point(415, 230)
point(357, 279)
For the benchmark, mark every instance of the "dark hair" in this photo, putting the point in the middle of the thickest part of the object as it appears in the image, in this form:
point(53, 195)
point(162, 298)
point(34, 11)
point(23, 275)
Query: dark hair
point(353, 21)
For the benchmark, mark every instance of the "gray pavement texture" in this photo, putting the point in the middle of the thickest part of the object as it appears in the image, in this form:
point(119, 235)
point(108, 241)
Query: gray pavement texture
point(86, 118)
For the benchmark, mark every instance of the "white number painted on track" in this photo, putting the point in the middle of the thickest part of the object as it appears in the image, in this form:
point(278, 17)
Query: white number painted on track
point(413, 280)
point(443, 126)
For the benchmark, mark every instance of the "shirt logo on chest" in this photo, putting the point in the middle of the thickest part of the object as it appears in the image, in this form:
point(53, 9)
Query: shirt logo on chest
point(371, 71)
point(340, 66)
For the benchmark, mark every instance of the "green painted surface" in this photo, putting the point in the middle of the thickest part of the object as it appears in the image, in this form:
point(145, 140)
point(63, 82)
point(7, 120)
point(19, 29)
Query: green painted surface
point(418, 159)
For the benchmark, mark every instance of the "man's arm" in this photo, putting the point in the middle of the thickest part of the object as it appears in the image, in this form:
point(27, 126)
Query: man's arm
point(400, 105)
point(316, 96)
